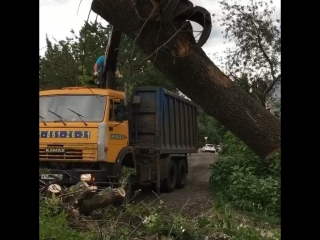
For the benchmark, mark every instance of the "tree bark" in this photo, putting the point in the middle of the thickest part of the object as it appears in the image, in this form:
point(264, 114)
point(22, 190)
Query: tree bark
point(194, 74)
point(103, 199)
point(83, 199)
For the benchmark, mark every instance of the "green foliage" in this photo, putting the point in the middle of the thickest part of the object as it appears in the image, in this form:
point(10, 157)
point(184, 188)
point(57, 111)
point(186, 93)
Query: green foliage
point(142, 221)
point(53, 222)
point(245, 181)
point(209, 127)
point(58, 68)
point(277, 109)
point(224, 223)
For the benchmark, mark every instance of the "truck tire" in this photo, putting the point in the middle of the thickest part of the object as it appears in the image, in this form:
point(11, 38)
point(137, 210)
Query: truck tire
point(182, 174)
point(169, 184)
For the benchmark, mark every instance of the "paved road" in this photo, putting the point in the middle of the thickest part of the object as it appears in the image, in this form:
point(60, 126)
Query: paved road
point(195, 198)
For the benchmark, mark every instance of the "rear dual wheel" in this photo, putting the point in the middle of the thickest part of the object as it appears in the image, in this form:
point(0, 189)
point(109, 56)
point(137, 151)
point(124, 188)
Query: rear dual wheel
point(177, 176)
point(169, 184)
point(182, 173)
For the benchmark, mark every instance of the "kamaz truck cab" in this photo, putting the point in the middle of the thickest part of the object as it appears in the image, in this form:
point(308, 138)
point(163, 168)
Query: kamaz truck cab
point(82, 132)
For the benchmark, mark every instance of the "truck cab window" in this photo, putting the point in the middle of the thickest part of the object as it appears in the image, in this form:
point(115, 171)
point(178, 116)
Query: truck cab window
point(113, 110)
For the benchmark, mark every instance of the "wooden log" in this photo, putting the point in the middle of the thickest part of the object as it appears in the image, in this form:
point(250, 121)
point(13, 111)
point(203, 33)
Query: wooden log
point(53, 189)
point(103, 199)
point(73, 193)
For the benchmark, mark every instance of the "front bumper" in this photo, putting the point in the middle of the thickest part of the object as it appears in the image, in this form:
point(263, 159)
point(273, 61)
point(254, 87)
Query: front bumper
point(71, 177)
point(210, 150)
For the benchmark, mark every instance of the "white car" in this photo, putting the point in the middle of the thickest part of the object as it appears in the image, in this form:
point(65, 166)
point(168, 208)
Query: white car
point(209, 148)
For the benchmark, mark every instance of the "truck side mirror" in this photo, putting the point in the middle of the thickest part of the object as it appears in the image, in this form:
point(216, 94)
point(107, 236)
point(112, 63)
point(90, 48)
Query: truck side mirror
point(123, 108)
point(122, 116)
point(125, 116)
point(123, 112)
point(121, 102)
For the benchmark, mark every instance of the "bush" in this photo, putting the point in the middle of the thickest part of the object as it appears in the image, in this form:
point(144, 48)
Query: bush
point(110, 223)
point(53, 222)
point(246, 181)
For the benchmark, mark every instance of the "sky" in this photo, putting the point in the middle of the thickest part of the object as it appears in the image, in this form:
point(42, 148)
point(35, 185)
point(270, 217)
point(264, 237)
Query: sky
point(58, 17)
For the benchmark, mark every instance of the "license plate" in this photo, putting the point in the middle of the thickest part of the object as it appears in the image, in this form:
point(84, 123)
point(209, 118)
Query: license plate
point(51, 176)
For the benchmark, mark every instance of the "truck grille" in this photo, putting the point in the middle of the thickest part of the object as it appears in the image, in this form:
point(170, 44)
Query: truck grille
point(69, 154)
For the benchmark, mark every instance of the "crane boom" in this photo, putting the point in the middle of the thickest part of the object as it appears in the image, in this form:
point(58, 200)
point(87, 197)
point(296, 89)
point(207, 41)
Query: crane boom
point(111, 57)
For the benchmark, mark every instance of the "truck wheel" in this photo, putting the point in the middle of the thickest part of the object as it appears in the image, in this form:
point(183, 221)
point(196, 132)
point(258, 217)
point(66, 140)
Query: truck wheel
point(182, 174)
point(169, 184)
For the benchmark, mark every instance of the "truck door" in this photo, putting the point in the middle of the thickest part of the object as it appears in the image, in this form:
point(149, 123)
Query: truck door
point(117, 132)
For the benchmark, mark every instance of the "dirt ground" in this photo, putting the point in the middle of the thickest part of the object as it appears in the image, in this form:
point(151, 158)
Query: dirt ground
point(195, 198)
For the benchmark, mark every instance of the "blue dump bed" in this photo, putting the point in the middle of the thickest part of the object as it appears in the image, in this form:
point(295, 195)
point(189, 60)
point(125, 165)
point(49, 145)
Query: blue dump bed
point(163, 120)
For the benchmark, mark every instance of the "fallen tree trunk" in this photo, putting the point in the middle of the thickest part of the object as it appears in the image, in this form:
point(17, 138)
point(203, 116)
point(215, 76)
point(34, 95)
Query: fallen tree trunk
point(76, 194)
point(103, 199)
point(84, 199)
point(174, 52)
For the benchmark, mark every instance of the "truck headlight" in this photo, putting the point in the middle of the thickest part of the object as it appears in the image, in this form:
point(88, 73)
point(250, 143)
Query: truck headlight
point(85, 177)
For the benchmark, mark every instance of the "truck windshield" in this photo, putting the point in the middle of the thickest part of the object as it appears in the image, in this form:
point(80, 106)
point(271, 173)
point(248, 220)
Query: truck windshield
point(209, 145)
point(90, 107)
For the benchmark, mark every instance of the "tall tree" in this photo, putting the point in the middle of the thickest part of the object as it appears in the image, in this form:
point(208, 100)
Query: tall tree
point(210, 128)
point(58, 67)
point(256, 57)
point(172, 48)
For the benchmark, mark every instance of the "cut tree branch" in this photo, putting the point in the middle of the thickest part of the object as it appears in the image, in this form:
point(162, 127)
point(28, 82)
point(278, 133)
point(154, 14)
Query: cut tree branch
point(196, 75)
